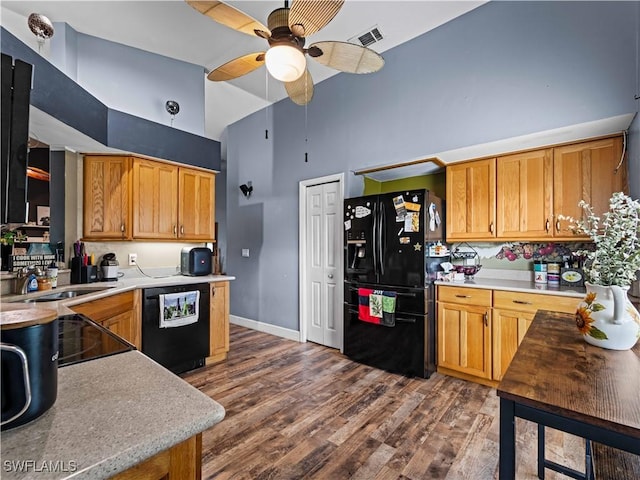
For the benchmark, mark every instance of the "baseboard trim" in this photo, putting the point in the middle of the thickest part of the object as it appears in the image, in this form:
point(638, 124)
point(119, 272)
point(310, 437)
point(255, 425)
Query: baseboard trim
point(265, 327)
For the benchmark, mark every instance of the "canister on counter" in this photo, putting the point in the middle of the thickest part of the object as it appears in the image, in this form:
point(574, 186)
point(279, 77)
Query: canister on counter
point(553, 272)
point(539, 271)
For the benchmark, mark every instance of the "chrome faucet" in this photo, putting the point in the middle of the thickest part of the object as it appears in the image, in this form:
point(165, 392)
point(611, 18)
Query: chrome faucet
point(22, 280)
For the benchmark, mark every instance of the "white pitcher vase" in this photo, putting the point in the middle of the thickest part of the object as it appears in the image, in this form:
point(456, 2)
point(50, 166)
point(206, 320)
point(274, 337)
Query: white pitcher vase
point(607, 318)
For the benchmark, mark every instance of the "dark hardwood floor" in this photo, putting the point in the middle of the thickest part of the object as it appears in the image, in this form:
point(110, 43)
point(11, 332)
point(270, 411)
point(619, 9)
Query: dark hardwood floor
point(301, 410)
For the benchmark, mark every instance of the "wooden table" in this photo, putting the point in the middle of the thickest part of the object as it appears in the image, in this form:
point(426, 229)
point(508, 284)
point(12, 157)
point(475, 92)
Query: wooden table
point(558, 380)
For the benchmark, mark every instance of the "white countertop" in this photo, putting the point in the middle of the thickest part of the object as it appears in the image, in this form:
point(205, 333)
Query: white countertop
point(517, 286)
point(110, 414)
point(110, 288)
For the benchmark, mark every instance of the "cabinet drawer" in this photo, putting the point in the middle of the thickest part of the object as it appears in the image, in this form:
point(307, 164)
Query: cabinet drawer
point(465, 296)
point(532, 302)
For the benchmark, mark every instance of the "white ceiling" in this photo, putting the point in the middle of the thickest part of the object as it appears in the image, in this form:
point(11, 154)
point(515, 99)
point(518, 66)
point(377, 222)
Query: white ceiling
point(174, 29)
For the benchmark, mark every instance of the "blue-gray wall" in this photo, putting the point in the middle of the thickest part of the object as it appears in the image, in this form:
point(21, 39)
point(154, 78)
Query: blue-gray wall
point(502, 70)
point(58, 95)
point(132, 80)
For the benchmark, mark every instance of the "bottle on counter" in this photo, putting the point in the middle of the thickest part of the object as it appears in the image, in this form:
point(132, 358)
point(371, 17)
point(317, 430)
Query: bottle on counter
point(540, 272)
point(32, 283)
point(553, 272)
point(52, 273)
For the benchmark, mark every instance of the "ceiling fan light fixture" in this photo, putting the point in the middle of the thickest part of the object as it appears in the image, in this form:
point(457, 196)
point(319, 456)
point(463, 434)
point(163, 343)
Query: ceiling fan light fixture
point(285, 62)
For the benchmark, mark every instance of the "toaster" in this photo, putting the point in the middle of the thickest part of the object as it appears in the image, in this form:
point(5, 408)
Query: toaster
point(195, 261)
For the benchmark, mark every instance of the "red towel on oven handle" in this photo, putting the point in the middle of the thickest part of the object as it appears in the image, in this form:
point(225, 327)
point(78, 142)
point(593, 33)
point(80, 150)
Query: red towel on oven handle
point(363, 306)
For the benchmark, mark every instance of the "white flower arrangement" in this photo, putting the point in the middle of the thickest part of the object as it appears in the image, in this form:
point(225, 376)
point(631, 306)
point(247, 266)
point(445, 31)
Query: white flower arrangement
point(616, 257)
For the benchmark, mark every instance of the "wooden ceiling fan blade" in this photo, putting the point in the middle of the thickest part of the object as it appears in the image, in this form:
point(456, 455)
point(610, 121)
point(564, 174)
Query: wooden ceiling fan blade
point(306, 17)
point(300, 91)
point(230, 17)
point(237, 67)
point(346, 57)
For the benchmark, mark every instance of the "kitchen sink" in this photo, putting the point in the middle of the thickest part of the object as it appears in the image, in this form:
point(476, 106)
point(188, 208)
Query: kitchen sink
point(54, 297)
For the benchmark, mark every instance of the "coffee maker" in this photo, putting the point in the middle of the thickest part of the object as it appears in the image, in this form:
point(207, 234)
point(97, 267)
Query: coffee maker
point(109, 267)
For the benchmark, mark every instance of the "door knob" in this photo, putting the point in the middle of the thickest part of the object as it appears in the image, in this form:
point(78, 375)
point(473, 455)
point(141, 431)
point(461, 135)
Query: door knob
point(330, 275)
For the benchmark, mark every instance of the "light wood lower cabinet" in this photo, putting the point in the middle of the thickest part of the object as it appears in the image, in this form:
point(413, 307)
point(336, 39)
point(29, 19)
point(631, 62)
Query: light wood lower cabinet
point(180, 462)
point(118, 313)
point(219, 322)
point(464, 331)
point(479, 330)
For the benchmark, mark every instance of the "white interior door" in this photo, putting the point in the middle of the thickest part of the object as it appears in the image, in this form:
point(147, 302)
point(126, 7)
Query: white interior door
point(323, 264)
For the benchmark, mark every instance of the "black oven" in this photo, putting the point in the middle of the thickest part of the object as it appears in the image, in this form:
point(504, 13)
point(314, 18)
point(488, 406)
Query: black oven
point(175, 325)
point(407, 347)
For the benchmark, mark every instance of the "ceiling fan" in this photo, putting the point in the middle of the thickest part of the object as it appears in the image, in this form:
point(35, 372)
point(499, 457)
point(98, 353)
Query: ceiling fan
point(286, 33)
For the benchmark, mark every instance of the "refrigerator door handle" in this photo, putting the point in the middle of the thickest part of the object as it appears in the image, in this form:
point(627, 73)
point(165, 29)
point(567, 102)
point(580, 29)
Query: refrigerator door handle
point(373, 239)
point(380, 237)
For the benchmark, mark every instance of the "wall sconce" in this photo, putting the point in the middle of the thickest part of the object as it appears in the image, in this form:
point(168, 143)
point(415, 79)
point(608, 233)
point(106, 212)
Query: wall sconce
point(246, 189)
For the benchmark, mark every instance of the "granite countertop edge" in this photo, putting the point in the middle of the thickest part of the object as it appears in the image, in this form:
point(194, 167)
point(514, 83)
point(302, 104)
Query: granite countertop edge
point(110, 435)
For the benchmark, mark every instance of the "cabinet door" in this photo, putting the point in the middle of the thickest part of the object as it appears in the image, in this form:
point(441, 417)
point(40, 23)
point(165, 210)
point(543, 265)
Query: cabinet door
point(586, 171)
point(155, 199)
point(509, 328)
point(122, 325)
point(524, 195)
point(471, 197)
point(107, 197)
point(196, 205)
point(219, 331)
point(464, 339)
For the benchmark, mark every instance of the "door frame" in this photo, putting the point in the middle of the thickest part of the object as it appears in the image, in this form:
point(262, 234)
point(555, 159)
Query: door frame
point(302, 252)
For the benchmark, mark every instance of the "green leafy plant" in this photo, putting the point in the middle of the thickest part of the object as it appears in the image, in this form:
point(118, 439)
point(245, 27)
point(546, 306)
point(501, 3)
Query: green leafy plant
point(10, 237)
point(616, 257)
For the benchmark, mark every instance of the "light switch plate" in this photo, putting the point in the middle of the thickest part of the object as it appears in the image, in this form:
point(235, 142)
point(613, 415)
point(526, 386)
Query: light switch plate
point(245, 252)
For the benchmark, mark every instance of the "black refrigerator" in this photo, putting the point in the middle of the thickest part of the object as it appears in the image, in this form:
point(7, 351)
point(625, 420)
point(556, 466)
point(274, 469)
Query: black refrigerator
point(387, 239)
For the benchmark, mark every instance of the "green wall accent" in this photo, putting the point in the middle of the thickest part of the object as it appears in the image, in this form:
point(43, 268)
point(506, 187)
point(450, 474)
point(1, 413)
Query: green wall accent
point(435, 183)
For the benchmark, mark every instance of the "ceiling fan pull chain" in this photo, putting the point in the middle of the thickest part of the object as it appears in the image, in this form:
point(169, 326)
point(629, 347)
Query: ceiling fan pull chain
point(306, 130)
point(266, 110)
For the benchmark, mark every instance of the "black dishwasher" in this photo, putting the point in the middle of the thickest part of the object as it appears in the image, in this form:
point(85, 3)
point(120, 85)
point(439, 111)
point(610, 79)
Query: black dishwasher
point(175, 326)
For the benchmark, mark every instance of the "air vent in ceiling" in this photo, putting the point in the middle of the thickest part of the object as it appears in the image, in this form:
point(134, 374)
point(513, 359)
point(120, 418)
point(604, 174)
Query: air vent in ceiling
point(368, 37)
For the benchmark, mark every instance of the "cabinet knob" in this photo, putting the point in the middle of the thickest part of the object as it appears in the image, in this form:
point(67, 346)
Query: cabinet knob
point(522, 302)
point(175, 230)
point(213, 291)
point(486, 320)
point(547, 225)
point(181, 229)
point(330, 275)
point(122, 227)
point(491, 227)
point(463, 296)
point(557, 225)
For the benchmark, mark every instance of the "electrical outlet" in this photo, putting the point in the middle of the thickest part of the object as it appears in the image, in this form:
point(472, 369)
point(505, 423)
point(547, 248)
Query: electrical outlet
point(245, 252)
point(133, 258)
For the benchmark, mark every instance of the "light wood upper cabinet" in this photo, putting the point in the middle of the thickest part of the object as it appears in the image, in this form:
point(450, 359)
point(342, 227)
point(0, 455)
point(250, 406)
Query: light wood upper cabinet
point(107, 197)
point(155, 203)
point(524, 201)
point(129, 198)
point(471, 200)
point(196, 205)
point(586, 171)
point(523, 194)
